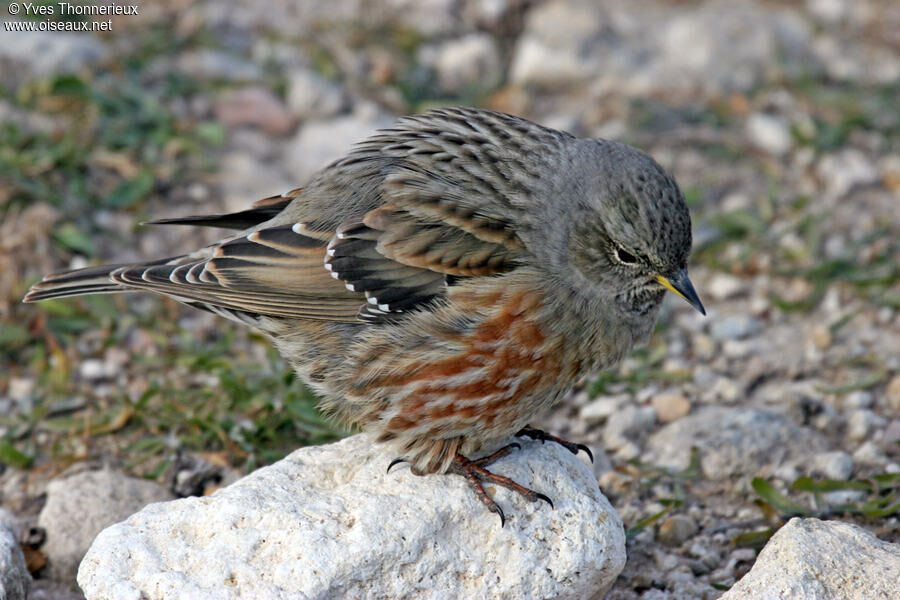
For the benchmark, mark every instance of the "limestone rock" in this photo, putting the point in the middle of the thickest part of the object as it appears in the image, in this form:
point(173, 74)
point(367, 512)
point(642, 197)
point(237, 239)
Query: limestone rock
point(329, 522)
point(809, 559)
point(80, 506)
point(14, 578)
point(320, 142)
point(732, 441)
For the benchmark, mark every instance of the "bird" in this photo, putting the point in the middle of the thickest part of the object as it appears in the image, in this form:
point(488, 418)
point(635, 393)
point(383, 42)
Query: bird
point(444, 282)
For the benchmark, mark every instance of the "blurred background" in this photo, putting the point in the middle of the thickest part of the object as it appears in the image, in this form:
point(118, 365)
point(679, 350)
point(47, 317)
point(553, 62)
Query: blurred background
point(779, 119)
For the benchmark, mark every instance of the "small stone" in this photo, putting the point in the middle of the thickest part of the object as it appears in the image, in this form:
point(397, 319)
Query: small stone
point(845, 170)
point(821, 337)
point(859, 399)
point(20, 388)
point(80, 506)
point(15, 581)
point(725, 389)
point(600, 409)
point(311, 96)
point(769, 133)
point(704, 346)
point(677, 529)
point(731, 441)
point(742, 349)
point(627, 423)
point(843, 497)
point(257, 107)
point(869, 453)
point(470, 62)
point(723, 286)
point(94, 369)
point(893, 394)
point(735, 327)
point(320, 142)
point(833, 465)
point(861, 423)
point(670, 407)
point(892, 433)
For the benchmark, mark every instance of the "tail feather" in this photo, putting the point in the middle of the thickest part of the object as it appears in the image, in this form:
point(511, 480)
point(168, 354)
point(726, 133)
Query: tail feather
point(89, 280)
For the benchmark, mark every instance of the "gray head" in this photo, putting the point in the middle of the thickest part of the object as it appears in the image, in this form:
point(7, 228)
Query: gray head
point(631, 237)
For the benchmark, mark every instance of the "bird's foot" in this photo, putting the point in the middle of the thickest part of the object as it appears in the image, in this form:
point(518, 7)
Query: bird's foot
point(539, 434)
point(476, 474)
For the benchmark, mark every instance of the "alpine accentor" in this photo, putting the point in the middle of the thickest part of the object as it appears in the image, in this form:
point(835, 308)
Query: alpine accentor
point(445, 281)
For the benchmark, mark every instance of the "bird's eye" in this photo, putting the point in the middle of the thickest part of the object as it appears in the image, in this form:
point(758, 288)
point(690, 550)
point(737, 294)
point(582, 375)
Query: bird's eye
point(625, 257)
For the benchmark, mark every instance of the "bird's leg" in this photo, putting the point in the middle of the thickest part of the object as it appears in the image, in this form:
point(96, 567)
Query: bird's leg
point(477, 475)
point(539, 434)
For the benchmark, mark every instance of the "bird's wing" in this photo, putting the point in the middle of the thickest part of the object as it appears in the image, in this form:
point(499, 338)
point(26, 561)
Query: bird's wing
point(445, 208)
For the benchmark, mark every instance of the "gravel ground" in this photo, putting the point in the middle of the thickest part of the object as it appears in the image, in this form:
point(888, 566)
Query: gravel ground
point(778, 119)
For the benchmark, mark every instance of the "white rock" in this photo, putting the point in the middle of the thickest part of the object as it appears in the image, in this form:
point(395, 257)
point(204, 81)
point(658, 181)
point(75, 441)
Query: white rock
point(93, 369)
point(845, 170)
point(80, 506)
point(723, 286)
point(769, 133)
point(20, 388)
point(833, 465)
point(329, 522)
point(547, 53)
point(472, 61)
point(311, 96)
point(599, 409)
point(861, 422)
point(859, 399)
point(869, 453)
point(731, 441)
point(627, 423)
point(320, 142)
point(246, 175)
point(15, 581)
point(735, 327)
point(809, 559)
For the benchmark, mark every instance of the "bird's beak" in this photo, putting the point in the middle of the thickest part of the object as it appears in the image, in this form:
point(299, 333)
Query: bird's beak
point(681, 285)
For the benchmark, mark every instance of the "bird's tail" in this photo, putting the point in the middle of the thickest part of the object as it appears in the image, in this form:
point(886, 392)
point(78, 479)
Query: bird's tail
point(90, 280)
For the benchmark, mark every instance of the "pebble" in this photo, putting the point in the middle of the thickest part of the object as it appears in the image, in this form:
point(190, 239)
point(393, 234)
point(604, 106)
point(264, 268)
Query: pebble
point(769, 132)
point(892, 393)
point(677, 529)
point(20, 388)
point(723, 286)
point(845, 170)
point(472, 61)
point(833, 465)
point(257, 107)
point(94, 369)
point(859, 399)
point(670, 406)
point(312, 96)
point(630, 421)
point(821, 337)
point(861, 423)
point(869, 453)
point(600, 409)
point(735, 327)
